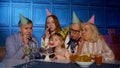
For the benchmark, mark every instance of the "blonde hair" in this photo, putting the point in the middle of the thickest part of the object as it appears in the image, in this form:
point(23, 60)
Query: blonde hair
point(95, 33)
point(60, 38)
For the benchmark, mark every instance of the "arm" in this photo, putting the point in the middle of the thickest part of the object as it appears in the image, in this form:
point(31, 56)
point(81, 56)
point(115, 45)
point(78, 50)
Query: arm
point(44, 42)
point(80, 46)
point(107, 52)
point(64, 56)
point(11, 50)
point(67, 55)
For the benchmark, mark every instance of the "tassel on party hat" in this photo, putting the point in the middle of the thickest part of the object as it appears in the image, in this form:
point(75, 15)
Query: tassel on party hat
point(23, 20)
point(91, 20)
point(75, 18)
point(48, 12)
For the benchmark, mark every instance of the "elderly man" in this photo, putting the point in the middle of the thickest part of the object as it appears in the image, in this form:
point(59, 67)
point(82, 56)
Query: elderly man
point(21, 40)
point(73, 37)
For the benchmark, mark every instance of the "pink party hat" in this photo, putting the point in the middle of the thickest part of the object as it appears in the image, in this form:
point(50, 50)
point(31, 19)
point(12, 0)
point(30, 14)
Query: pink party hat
point(91, 20)
point(48, 12)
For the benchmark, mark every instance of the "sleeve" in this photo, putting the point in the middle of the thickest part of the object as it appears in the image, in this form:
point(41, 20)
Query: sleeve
point(44, 42)
point(66, 41)
point(11, 49)
point(107, 52)
point(36, 42)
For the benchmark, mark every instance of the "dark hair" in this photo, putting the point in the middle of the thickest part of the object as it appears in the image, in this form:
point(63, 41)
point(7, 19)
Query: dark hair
point(29, 22)
point(56, 21)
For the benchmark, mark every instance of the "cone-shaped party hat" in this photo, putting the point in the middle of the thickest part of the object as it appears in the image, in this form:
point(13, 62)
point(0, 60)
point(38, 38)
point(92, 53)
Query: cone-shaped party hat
point(23, 20)
point(91, 20)
point(75, 18)
point(48, 12)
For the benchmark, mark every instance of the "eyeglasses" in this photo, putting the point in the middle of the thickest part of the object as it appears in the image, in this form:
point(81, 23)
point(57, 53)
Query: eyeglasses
point(74, 31)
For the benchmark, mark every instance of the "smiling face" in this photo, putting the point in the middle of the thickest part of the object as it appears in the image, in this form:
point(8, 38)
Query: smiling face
point(26, 30)
point(75, 31)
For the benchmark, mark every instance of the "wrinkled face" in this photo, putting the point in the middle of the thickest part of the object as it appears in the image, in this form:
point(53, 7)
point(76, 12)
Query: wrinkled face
point(57, 41)
point(26, 29)
point(75, 31)
point(87, 32)
point(51, 24)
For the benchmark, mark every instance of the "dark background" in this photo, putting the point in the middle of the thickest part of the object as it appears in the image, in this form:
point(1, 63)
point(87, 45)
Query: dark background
point(106, 14)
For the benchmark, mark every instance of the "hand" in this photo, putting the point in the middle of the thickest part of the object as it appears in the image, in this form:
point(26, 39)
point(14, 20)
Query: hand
point(25, 39)
point(80, 46)
point(80, 42)
point(92, 56)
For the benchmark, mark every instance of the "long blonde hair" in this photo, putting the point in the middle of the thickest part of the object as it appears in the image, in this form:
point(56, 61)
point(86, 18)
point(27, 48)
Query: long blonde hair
point(95, 33)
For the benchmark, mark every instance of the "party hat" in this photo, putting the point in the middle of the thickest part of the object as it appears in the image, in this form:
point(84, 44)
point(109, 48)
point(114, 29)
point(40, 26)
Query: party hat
point(23, 20)
point(48, 12)
point(64, 32)
point(75, 18)
point(91, 20)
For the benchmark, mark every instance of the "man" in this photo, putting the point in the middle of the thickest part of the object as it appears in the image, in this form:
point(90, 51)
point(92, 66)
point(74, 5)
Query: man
point(72, 39)
point(16, 42)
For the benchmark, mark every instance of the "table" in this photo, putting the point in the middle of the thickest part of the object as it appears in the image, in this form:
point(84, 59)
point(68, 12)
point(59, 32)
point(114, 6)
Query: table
point(10, 63)
point(42, 64)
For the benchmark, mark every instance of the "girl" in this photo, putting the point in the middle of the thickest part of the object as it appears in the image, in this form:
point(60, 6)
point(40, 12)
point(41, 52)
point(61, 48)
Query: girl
point(61, 53)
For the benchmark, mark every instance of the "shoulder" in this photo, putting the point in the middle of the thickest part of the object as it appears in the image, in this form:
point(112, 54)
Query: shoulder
point(13, 36)
point(101, 37)
point(67, 38)
point(34, 39)
point(12, 40)
point(100, 40)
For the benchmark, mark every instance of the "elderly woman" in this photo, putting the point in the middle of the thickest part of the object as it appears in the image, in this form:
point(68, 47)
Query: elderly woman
point(93, 43)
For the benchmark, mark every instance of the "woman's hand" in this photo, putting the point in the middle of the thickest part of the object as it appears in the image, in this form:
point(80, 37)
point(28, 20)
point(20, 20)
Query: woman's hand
point(80, 46)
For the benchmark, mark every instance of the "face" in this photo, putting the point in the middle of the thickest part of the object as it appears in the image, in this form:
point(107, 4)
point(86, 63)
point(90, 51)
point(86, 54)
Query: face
point(26, 30)
point(74, 31)
point(87, 32)
point(51, 24)
point(56, 40)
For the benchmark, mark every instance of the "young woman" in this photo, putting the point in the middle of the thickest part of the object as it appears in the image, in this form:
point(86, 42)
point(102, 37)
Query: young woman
point(52, 26)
